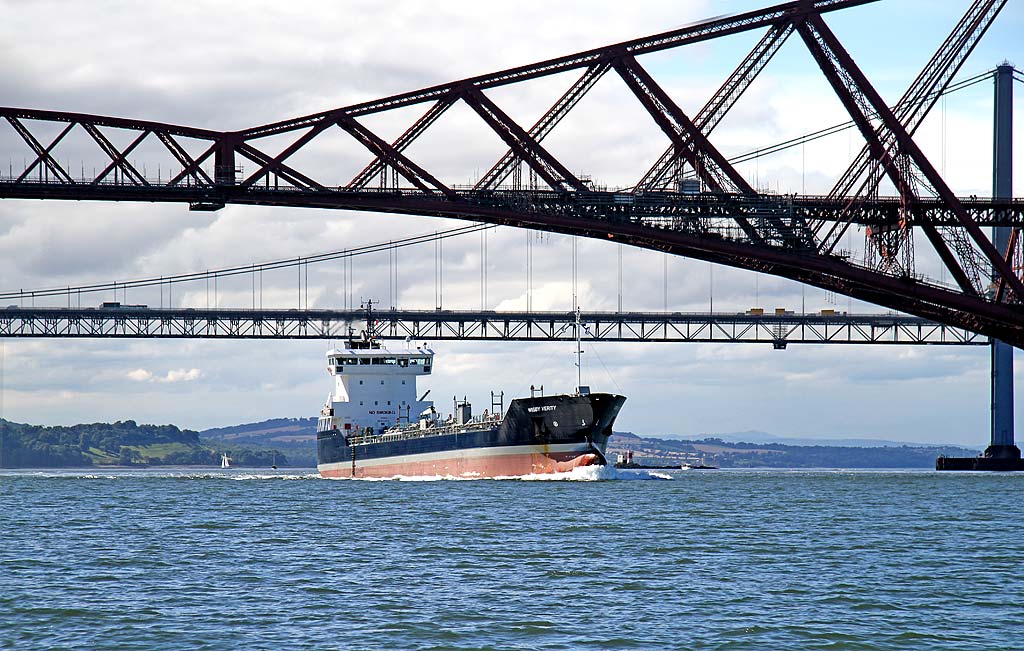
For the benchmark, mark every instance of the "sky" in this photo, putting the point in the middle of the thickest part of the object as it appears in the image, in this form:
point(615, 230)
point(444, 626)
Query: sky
point(203, 64)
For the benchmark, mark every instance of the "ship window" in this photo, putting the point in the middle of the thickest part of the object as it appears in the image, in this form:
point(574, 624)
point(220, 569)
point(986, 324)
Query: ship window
point(389, 403)
point(364, 360)
point(378, 360)
point(403, 363)
point(376, 402)
point(360, 403)
point(390, 360)
point(351, 360)
point(360, 381)
point(403, 381)
point(382, 382)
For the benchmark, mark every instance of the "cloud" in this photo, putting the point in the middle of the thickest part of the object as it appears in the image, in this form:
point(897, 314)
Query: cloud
point(140, 375)
point(172, 376)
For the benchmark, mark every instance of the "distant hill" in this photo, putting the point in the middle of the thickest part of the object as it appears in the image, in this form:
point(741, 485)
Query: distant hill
point(297, 436)
point(728, 454)
point(124, 443)
point(755, 436)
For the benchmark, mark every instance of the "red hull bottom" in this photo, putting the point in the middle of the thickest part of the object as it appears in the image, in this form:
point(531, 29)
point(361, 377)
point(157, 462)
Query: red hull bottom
point(507, 465)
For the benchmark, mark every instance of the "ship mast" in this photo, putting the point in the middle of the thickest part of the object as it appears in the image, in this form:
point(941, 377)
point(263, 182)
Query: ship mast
point(579, 353)
point(369, 332)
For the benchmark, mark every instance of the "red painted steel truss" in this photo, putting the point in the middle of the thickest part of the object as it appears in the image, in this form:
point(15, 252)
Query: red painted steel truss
point(690, 202)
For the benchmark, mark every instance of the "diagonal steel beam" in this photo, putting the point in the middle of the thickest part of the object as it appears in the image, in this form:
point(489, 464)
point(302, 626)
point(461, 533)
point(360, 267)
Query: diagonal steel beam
point(926, 89)
point(859, 108)
point(547, 166)
point(708, 162)
point(1011, 251)
point(436, 110)
point(42, 153)
point(824, 45)
point(915, 105)
point(675, 123)
point(698, 32)
point(117, 158)
point(190, 167)
point(294, 177)
point(500, 171)
point(416, 175)
point(659, 175)
point(274, 164)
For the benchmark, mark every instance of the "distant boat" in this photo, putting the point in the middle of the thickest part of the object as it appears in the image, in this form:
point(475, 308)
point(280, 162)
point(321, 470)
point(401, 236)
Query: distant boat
point(699, 465)
point(225, 461)
point(273, 464)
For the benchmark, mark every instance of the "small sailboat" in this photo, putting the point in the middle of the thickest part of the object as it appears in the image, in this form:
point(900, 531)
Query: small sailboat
point(225, 460)
point(273, 464)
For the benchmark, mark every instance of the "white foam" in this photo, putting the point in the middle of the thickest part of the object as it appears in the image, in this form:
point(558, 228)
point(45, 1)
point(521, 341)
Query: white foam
point(282, 476)
point(583, 473)
point(595, 473)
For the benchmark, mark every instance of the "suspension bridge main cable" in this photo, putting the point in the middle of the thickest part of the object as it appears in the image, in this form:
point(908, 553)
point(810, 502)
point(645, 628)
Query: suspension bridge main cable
point(248, 268)
point(839, 128)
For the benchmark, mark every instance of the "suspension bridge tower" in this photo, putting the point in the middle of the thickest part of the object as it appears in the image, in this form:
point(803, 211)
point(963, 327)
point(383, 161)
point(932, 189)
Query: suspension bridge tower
point(1002, 445)
point(1002, 453)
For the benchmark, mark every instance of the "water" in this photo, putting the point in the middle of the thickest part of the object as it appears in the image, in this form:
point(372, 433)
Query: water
point(156, 559)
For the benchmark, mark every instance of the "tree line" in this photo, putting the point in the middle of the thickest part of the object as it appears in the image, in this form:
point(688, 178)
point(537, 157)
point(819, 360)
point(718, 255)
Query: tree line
point(123, 443)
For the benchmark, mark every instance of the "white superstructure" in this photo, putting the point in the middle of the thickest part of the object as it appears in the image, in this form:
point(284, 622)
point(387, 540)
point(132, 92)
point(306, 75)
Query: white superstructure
point(374, 388)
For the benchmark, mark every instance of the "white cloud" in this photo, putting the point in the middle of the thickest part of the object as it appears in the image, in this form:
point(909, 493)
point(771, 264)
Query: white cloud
point(140, 375)
point(172, 376)
point(183, 375)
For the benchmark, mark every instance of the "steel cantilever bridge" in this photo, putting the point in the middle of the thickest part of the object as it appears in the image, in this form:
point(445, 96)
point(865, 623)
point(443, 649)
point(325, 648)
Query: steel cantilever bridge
point(691, 202)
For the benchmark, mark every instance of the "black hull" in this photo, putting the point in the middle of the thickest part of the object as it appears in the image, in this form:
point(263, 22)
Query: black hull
point(559, 427)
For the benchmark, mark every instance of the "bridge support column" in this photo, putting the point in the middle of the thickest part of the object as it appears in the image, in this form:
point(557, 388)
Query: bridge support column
point(1002, 453)
point(224, 163)
point(1002, 445)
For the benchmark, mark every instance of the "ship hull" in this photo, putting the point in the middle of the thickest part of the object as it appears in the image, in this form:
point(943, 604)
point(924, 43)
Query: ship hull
point(537, 436)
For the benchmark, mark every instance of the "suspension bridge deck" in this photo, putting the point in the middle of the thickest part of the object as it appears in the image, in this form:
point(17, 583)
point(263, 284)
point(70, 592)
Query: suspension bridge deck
point(777, 329)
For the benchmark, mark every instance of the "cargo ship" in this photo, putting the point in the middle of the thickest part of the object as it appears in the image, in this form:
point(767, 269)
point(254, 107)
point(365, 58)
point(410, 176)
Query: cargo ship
point(373, 424)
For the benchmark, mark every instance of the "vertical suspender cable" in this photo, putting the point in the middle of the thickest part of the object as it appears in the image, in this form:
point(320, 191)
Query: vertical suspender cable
point(574, 285)
point(664, 286)
point(620, 276)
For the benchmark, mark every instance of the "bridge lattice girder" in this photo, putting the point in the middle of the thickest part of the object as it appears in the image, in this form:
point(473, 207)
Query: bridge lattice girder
point(777, 329)
point(726, 221)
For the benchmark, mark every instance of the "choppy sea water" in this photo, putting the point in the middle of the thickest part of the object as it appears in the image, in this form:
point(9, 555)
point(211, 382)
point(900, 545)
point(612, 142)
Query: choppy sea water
point(157, 559)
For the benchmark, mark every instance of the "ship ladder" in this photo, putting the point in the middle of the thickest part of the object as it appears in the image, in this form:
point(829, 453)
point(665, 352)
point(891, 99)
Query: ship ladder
point(352, 444)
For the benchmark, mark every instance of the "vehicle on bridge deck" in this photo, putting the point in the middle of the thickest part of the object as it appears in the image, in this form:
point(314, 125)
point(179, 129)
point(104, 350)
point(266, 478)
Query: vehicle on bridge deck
point(366, 427)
